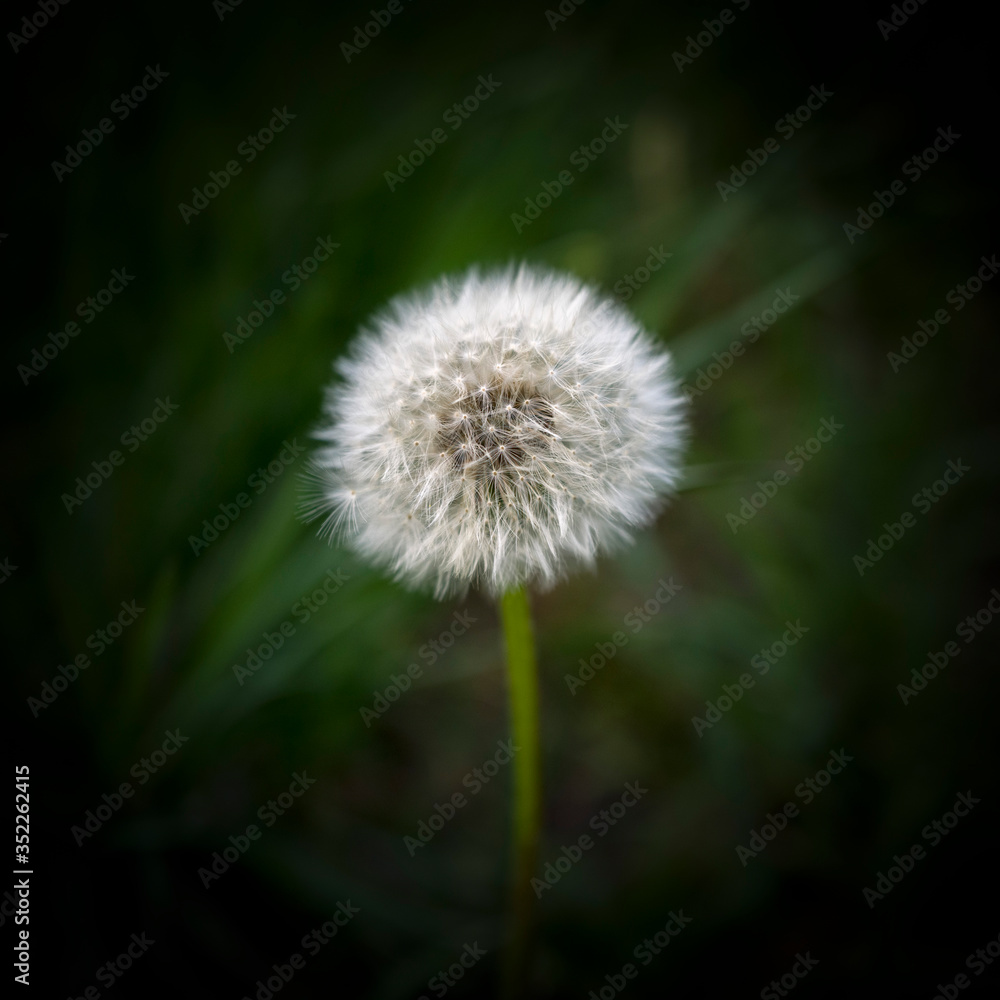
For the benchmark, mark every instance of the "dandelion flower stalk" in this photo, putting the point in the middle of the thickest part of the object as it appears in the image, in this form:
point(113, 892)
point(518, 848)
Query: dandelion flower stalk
point(522, 682)
point(497, 430)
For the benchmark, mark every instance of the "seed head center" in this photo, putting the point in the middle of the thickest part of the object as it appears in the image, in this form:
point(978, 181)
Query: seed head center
point(496, 431)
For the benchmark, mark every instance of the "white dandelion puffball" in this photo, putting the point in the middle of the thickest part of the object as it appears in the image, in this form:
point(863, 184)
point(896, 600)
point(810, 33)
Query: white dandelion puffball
point(496, 429)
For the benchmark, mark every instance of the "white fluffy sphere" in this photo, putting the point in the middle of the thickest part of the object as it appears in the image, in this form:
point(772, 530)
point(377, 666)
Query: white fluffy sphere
point(496, 429)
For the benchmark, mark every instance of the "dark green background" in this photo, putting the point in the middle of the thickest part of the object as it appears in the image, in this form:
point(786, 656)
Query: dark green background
point(656, 185)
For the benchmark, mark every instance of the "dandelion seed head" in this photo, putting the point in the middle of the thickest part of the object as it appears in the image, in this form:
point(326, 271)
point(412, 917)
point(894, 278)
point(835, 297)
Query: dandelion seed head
point(496, 429)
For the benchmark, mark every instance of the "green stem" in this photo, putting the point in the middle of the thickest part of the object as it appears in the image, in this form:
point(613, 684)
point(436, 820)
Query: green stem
point(522, 677)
